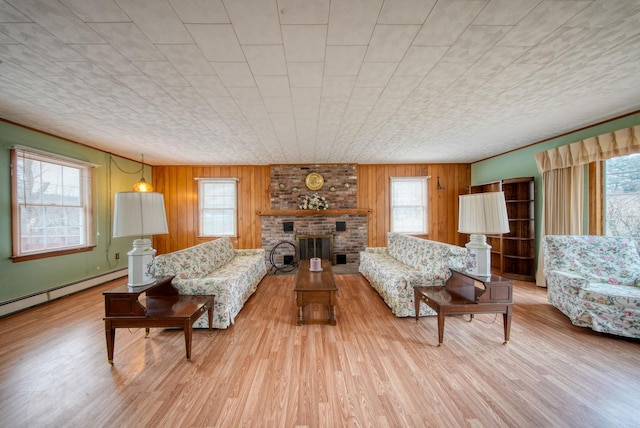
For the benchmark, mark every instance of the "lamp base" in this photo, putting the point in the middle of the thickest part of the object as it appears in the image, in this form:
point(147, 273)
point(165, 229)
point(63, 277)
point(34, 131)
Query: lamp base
point(141, 271)
point(480, 254)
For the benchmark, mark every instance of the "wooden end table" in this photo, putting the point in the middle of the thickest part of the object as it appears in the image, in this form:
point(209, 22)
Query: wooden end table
point(464, 294)
point(316, 287)
point(165, 308)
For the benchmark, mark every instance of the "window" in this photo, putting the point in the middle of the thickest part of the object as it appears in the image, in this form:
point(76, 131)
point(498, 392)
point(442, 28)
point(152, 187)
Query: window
point(622, 196)
point(217, 199)
point(409, 205)
point(51, 204)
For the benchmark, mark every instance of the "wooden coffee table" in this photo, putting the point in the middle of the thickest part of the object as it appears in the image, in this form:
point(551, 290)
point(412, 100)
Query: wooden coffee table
point(316, 287)
point(464, 293)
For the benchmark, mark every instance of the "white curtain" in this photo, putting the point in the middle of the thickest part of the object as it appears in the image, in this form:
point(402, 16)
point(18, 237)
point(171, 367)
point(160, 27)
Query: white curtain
point(562, 170)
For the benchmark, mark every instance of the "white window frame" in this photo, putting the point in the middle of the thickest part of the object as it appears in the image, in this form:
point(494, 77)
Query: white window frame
point(204, 184)
point(422, 204)
point(69, 195)
point(629, 209)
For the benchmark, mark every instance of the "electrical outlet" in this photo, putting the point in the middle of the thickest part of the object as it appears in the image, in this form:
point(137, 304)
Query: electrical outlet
point(117, 256)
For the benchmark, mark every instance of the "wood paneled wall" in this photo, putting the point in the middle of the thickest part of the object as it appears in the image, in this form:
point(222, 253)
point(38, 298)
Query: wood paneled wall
point(180, 189)
point(374, 194)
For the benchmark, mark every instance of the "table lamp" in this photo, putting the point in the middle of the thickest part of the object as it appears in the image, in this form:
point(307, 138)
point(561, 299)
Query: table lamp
point(140, 214)
point(481, 214)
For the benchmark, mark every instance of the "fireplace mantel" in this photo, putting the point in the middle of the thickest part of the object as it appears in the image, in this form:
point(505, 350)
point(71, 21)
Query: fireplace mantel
point(314, 212)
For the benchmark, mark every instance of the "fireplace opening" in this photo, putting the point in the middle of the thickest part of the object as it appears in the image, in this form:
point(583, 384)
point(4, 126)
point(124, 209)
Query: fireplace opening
point(320, 246)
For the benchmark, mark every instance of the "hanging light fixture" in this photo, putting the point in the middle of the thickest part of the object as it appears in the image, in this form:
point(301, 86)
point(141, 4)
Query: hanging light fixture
point(142, 185)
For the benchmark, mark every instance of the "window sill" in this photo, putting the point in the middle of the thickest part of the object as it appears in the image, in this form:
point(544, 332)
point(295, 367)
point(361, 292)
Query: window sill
point(56, 253)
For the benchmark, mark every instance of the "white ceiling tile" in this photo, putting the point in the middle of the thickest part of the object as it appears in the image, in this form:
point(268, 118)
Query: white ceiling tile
point(107, 58)
point(208, 86)
point(29, 60)
point(142, 86)
point(218, 42)
point(405, 11)
point(351, 22)
point(129, 41)
point(40, 41)
point(338, 86)
point(390, 42)
point(602, 13)
point(156, 19)
point(278, 104)
point(401, 86)
point(555, 45)
point(419, 60)
point(97, 10)
point(255, 21)
point(161, 72)
point(306, 97)
point(273, 86)
point(201, 11)
point(266, 60)
point(90, 73)
point(474, 42)
point(496, 59)
point(505, 12)
point(187, 59)
point(9, 13)
point(234, 74)
point(303, 11)
point(246, 96)
point(344, 60)
point(447, 21)
point(305, 74)
point(365, 96)
point(375, 74)
point(304, 43)
point(54, 17)
point(543, 20)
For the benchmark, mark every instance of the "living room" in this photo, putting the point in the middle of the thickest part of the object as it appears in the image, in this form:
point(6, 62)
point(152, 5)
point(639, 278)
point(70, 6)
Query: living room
point(452, 129)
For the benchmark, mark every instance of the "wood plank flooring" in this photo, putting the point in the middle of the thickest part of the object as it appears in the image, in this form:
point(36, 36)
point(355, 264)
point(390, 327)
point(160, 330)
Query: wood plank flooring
point(371, 369)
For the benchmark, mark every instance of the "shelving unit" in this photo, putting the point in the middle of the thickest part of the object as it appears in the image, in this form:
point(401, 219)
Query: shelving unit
point(513, 253)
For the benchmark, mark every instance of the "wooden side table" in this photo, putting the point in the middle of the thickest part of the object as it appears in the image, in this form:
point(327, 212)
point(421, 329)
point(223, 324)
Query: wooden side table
point(165, 308)
point(463, 294)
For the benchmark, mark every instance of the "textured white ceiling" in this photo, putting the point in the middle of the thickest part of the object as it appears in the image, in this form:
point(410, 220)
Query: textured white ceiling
point(316, 81)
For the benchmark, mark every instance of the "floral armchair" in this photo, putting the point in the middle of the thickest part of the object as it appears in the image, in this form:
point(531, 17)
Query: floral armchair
point(595, 281)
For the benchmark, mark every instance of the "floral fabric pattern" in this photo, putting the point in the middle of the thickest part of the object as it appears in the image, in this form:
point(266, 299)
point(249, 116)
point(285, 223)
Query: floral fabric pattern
point(215, 267)
point(409, 262)
point(594, 280)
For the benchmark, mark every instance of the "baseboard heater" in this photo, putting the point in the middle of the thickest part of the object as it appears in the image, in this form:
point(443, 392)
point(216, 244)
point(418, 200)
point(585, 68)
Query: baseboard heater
point(25, 302)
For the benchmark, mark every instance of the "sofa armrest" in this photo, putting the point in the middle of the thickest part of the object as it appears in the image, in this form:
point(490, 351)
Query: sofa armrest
point(565, 282)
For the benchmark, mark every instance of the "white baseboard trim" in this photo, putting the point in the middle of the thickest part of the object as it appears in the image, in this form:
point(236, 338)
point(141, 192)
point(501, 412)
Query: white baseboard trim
point(22, 303)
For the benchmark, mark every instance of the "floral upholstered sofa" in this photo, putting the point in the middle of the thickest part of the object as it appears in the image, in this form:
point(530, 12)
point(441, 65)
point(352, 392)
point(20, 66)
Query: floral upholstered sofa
point(215, 267)
point(408, 262)
point(595, 281)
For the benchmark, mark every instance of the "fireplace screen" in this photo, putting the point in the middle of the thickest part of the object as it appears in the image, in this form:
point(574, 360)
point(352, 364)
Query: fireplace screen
point(320, 246)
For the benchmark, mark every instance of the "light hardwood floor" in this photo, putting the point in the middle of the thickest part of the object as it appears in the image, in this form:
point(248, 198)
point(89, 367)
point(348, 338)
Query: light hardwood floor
point(371, 369)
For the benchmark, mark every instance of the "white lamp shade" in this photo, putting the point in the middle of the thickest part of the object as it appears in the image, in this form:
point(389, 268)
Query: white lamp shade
point(483, 213)
point(139, 214)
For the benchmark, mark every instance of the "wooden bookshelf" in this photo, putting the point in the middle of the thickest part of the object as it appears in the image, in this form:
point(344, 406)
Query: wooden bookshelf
point(513, 253)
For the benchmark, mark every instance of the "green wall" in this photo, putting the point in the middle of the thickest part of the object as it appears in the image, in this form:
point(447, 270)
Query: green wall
point(35, 276)
point(521, 163)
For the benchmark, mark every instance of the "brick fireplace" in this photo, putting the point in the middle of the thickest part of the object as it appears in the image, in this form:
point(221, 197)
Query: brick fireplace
point(342, 220)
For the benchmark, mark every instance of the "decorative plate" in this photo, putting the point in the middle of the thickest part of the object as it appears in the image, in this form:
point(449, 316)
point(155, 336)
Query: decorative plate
point(314, 181)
